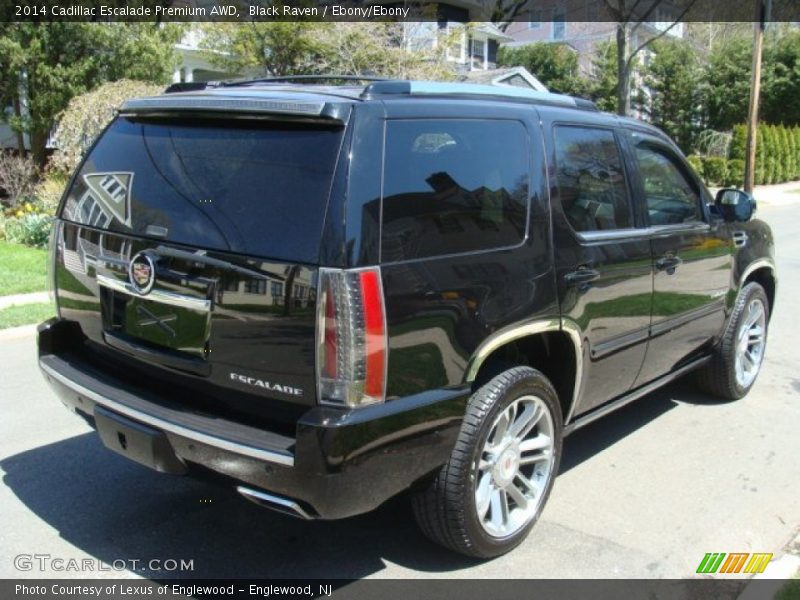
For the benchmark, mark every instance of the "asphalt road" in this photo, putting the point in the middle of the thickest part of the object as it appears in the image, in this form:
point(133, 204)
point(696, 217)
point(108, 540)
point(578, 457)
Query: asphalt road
point(645, 492)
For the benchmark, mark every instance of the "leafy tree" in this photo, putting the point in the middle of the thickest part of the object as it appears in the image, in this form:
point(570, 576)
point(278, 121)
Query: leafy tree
point(781, 80)
point(48, 64)
point(672, 78)
point(555, 65)
point(726, 87)
point(603, 86)
point(267, 48)
point(726, 90)
point(359, 48)
point(308, 48)
point(629, 16)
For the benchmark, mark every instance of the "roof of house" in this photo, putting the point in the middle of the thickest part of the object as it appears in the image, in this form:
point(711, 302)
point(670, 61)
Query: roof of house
point(514, 76)
point(491, 31)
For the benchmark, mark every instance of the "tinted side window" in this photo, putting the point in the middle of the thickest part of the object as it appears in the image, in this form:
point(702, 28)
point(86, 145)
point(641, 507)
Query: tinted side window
point(671, 197)
point(591, 180)
point(453, 186)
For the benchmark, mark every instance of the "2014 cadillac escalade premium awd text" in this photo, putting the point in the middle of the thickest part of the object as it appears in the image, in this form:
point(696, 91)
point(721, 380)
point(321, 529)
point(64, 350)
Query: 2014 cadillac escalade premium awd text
point(331, 294)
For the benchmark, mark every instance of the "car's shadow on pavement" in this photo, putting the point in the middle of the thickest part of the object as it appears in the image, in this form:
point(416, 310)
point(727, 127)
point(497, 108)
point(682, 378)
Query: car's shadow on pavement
point(606, 431)
point(113, 509)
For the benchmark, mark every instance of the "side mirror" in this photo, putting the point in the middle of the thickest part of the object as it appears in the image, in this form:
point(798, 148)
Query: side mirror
point(735, 205)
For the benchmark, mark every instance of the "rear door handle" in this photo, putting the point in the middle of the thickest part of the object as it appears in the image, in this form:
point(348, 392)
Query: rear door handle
point(581, 275)
point(668, 263)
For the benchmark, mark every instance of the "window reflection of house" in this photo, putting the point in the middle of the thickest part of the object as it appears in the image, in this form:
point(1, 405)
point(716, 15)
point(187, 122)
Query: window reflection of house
point(269, 291)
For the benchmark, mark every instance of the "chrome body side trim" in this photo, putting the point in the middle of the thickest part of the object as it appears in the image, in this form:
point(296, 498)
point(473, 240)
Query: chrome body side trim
point(571, 328)
point(162, 296)
point(757, 264)
point(167, 426)
point(515, 332)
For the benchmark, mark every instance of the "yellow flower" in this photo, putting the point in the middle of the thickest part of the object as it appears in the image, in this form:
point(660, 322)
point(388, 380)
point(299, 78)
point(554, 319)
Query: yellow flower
point(20, 213)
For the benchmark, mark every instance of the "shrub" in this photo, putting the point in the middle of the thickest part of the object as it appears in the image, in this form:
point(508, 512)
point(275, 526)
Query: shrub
point(796, 136)
point(87, 115)
point(31, 229)
point(787, 156)
point(768, 155)
point(794, 160)
point(49, 190)
point(697, 163)
point(715, 170)
point(17, 176)
point(760, 166)
point(738, 145)
point(735, 176)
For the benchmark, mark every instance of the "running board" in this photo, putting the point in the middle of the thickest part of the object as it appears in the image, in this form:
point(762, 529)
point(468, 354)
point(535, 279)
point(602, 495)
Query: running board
point(634, 395)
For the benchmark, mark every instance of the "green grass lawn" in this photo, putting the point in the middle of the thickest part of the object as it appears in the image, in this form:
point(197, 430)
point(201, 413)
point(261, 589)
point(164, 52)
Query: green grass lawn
point(790, 590)
point(25, 314)
point(22, 269)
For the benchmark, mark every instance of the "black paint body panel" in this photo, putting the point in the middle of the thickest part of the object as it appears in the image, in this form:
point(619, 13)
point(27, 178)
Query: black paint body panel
point(248, 361)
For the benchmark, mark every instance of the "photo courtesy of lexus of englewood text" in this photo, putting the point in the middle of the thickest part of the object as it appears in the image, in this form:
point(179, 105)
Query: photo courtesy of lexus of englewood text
point(357, 299)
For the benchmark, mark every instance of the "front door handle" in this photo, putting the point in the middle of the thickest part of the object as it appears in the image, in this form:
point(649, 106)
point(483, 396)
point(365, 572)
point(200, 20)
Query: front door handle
point(739, 238)
point(668, 263)
point(581, 275)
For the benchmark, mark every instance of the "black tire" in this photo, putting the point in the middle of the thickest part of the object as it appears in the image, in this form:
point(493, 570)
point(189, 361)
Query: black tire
point(718, 377)
point(446, 511)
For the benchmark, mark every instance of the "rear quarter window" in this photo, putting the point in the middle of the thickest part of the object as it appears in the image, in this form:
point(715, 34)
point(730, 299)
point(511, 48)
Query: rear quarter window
point(453, 186)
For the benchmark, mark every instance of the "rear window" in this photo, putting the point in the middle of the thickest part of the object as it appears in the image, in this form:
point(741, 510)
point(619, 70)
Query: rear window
point(453, 186)
point(251, 188)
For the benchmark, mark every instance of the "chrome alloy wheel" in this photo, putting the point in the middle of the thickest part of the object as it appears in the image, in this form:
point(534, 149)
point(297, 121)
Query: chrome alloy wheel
point(751, 343)
point(515, 467)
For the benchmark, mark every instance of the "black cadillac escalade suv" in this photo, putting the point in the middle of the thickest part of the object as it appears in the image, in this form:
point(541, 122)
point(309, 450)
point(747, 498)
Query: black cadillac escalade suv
point(331, 294)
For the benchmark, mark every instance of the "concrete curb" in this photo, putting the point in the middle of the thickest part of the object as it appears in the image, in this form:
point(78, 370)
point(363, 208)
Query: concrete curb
point(775, 576)
point(15, 333)
point(21, 299)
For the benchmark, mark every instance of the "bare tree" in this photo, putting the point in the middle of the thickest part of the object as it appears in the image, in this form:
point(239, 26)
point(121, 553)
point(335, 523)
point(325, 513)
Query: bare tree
point(17, 176)
point(629, 16)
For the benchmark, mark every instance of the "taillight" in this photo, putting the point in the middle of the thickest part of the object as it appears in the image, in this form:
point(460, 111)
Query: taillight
point(351, 329)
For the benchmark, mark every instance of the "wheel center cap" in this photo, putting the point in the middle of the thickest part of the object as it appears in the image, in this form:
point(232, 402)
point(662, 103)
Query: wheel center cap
point(505, 469)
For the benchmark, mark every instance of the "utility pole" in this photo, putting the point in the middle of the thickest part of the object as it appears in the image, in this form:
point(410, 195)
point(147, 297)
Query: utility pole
point(762, 16)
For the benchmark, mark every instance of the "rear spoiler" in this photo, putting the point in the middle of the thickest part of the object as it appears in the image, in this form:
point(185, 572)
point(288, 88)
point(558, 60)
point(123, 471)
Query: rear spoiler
point(170, 104)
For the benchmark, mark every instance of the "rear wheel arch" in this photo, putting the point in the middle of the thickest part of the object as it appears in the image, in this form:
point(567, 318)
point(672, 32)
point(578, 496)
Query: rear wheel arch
point(542, 345)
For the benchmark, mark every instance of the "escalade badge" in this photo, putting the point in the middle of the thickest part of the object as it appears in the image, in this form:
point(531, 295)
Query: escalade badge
point(141, 273)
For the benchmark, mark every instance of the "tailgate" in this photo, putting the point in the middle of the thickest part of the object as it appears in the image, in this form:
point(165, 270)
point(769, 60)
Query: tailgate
point(186, 251)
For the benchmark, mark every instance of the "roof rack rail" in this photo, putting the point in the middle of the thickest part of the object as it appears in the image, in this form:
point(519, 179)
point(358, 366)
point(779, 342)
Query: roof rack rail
point(305, 79)
point(434, 88)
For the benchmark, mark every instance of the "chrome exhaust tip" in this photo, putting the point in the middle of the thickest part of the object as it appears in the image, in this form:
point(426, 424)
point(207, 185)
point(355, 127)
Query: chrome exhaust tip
point(273, 502)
